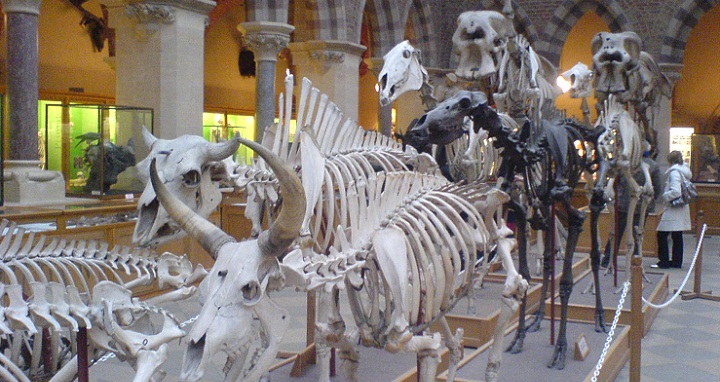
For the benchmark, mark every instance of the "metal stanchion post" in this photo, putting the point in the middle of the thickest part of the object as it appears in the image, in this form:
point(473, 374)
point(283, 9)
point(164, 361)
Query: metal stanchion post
point(697, 291)
point(82, 355)
point(552, 274)
point(637, 326)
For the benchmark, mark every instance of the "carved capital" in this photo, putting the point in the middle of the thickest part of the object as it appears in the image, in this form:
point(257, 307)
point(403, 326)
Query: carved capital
point(266, 39)
point(328, 52)
point(376, 65)
point(671, 71)
point(21, 6)
point(150, 13)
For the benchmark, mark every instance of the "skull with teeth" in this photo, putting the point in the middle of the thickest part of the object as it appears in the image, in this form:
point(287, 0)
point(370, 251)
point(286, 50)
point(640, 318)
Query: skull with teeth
point(479, 40)
point(615, 55)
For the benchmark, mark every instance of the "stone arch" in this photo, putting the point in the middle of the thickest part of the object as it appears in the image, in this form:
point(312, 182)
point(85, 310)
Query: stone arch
point(678, 31)
point(567, 15)
point(277, 10)
point(385, 25)
point(419, 18)
point(325, 19)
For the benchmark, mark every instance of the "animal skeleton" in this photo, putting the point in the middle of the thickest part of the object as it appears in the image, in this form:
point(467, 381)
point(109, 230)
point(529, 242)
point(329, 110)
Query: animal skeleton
point(550, 165)
point(78, 283)
point(622, 69)
point(451, 220)
point(620, 145)
point(402, 71)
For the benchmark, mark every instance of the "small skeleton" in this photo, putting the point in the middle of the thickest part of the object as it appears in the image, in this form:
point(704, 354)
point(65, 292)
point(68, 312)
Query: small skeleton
point(63, 281)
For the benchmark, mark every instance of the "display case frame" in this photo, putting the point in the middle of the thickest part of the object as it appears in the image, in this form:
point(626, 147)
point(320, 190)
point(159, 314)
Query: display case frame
point(705, 154)
point(95, 146)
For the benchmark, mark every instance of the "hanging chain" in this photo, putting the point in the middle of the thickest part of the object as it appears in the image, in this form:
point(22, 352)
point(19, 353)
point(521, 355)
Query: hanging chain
point(110, 355)
point(609, 339)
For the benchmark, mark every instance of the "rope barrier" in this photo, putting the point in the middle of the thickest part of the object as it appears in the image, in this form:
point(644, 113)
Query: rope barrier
point(687, 276)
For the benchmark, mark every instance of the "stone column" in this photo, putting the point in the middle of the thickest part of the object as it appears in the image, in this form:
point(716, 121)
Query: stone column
point(266, 39)
point(663, 115)
point(159, 61)
point(384, 112)
point(333, 67)
point(24, 182)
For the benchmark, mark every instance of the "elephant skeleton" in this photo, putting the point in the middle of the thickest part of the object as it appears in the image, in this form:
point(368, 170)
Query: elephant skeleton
point(622, 69)
point(73, 284)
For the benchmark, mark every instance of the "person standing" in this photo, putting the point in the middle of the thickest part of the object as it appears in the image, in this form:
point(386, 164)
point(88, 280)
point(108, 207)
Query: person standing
point(675, 218)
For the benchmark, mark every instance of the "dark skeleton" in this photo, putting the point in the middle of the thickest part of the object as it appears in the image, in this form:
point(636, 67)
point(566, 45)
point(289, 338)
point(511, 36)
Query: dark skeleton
point(550, 157)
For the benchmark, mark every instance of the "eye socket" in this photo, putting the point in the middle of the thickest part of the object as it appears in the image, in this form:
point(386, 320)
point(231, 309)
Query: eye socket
point(251, 292)
point(465, 103)
point(383, 81)
point(191, 178)
point(406, 53)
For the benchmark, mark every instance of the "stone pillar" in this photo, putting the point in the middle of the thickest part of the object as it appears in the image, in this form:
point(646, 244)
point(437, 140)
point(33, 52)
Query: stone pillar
point(266, 39)
point(663, 116)
point(384, 112)
point(159, 60)
point(333, 67)
point(24, 183)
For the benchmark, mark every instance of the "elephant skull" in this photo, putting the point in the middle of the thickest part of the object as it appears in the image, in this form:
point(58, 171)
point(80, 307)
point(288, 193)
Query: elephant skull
point(479, 40)
point(615, 55)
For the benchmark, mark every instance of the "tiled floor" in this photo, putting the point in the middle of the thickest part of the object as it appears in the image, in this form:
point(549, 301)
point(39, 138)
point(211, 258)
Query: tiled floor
point(682, 345)
point(684, 341)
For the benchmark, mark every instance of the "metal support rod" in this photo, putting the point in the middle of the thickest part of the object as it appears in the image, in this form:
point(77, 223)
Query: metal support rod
point(82, 355)
point(637, 325)
point(552, 274)
point(616, 238)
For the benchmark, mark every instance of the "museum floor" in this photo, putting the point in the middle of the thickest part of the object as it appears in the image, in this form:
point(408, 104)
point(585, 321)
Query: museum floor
point(683, 343)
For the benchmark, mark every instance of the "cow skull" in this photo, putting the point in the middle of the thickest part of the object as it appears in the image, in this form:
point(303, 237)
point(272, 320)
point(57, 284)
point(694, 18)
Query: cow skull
point(614, 56)
point(580, 78)
point(401, 72)
point(235, 288)
point(191, 168)
point(480, 39)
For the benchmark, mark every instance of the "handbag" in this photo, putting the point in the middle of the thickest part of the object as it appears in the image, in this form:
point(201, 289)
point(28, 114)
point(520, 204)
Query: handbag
point(688, 192)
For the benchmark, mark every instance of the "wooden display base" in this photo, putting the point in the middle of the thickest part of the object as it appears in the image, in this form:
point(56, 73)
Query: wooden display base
point(581, 315)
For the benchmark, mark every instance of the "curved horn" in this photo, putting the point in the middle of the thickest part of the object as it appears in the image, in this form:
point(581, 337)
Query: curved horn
point(210, 237)
point(286, 227)
point(219, 151)
point(148, 138)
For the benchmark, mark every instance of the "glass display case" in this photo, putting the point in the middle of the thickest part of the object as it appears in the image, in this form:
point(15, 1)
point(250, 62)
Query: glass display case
point(94, 146)
point(218, 127)
point(705, 154)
